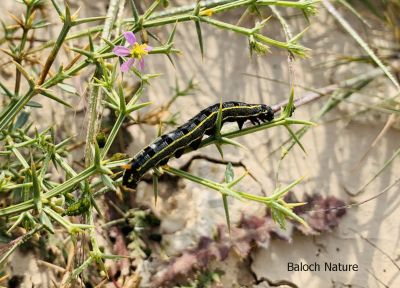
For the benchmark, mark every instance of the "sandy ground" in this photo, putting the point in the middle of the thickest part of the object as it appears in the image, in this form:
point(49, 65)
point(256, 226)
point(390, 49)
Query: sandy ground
point(367, 236)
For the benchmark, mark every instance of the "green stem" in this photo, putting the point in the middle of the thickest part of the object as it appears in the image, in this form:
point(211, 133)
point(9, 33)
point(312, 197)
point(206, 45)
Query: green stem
point(92, 233)
point(188, 8)
point(113, 134)
point(95, 99)
point(93, 125)
point(13, 109)
point(245, 131)
point(54, 51)
point(151, 9)
point(77, 35)
point(111, 17)
point(152, 22)
point(21, 47)
point(64, 187)
point(192, 177)
point(214, 185)
point(70, 183)
point(224, 5)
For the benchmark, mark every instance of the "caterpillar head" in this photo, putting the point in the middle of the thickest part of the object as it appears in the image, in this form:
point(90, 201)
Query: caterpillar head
point(129, 179)
point(266, 113)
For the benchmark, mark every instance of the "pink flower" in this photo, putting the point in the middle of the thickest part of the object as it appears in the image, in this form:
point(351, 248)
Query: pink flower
point(136, 51)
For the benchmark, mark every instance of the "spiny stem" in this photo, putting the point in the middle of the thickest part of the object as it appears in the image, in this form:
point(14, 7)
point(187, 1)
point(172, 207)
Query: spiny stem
point(25, 30)
point(7, 115)
point(64, 187)
point(113, 134)
point(53, 53)
point(93, 125)
point(95, 98)
point(111, 17)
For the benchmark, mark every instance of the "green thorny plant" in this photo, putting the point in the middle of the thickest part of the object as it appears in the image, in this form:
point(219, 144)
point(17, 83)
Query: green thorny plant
point(29, 156)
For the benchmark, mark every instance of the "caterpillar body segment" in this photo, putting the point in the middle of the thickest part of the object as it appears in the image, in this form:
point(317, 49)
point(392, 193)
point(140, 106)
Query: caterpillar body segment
point(190, 134)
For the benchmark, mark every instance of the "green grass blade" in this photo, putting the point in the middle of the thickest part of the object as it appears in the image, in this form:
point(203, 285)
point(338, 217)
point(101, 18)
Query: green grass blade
point(353, 33)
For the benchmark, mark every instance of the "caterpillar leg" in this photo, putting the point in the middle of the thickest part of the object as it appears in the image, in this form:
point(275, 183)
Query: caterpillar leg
point(179, 152)
point(196, 143)
point(240, 123)
point(210, 131)
point(255, 121)
point(163, 162)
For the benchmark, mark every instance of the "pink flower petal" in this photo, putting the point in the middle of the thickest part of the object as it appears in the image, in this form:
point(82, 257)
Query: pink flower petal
point(141, 64)
point(148, 48)
point(126, 66)
point(121, 51)
point(130, 37)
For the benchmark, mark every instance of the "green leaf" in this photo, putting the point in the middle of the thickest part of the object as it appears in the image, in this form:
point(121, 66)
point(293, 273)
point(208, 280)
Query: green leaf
point(96, 207)
point(226, 208)
point(67, 17)
point(237, 180)
point(58, 8)
point(220, 150)
point(199, 37)
point(25, 74)
point(40, 24)
point(21, 120)
point(45, 220)
point(86, 53)
point(67, 88)
point(295, 138)
point(138, 106)
point(48, 94)
point(36, 187)
point(289, 108)
point(20, 218)
point(97, 156)
point(34, 104)
point(91, 46)
point(278, 217)
point(108, 182)
point(135, 12)
point(89, 20)
point(299, 35)
point(109, 43)
point(172, 35)
point(287, 211)
point(225, 140)
point(170, 43)
point(278, 194)
point(229, 173)
point(5, 91)
point(226, 190)
point(122, 103)
point(338, 96)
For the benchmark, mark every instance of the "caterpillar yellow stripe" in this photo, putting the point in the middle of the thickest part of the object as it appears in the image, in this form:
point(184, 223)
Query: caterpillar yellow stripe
point(174, 143)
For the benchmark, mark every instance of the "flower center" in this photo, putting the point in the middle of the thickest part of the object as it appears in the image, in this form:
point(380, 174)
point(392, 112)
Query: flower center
point(139, 50)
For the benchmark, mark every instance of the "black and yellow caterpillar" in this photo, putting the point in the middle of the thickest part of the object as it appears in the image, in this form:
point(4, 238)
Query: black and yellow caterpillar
point(190, 134)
